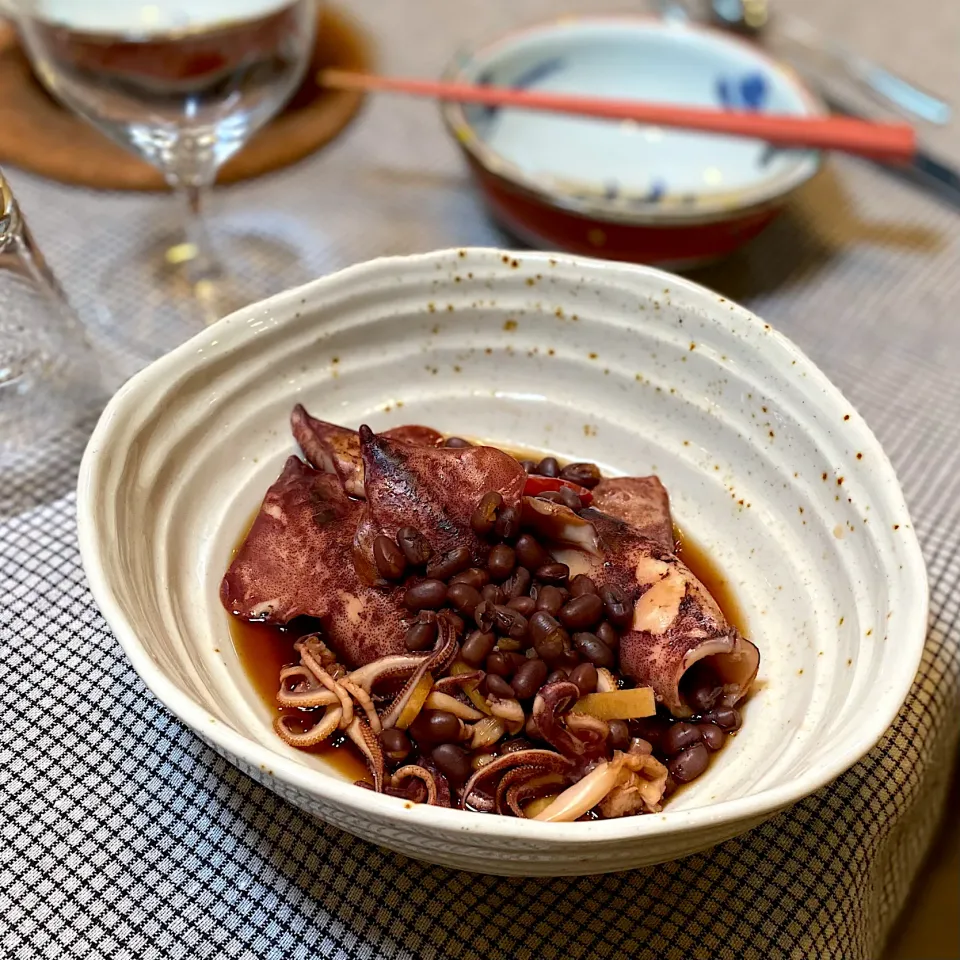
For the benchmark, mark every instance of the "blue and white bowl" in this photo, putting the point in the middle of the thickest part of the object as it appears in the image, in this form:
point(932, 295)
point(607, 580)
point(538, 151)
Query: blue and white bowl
point(624, 190)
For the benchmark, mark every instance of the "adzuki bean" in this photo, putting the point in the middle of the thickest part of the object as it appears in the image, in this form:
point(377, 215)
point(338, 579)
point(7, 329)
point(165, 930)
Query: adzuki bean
point(484, 614)
point(517, 584)
point(414, 546)
point(703, 698)
point(517, 660)
point(389, 558)
point(525, 605)
point(453, 761)
point(435, 726)
point(497, 686)
point(457, 442)
point(528, 465)
point(529, 678)
point(548, 467)
point(585, 677)
point(619, 611)
point(556, 676)
point(508, 523)
point(484, 517)
point(619, 735)
point(711, 735)
point(582, 584)
point(586, 474)
point(499, 664)
point(474, 576)
point(594, 649)
point(554, 651)
point(549, 600)
point(502, 560)
point(477, 647)
point(727, 718)
point(608, 635)
point(542, 625)
point(421, 635)
point(396, 744)
point(444, 567)
point(464, 597)
point(580, 613)
point(510, 623)
point(529, 553)
point(426, 595)
point(553, 573)
point(650, 729)
point(568, 659)
point(570, 499)
point(701, 687)
point(550, 640)
point(679, 736)
point(492, 593)
point(690, 764)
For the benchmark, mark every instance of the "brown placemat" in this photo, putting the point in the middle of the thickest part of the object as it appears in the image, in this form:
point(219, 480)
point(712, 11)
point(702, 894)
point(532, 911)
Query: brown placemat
point(38, 134)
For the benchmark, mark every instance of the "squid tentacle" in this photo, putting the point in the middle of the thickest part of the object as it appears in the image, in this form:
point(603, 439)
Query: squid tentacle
point(545, 761)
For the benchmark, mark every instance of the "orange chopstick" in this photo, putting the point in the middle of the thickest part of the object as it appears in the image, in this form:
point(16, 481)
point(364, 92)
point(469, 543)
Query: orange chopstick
point(888, 142)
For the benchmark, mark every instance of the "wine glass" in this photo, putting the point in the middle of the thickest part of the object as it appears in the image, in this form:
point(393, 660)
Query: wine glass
point(50, 384)
point(184, 84)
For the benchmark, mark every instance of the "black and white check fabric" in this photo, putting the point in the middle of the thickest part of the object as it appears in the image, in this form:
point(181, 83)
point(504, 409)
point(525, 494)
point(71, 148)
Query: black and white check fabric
point(123, 836)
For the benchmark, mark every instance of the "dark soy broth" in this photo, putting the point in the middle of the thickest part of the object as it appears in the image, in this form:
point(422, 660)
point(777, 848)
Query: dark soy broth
point(710, 575)
point(263, 649)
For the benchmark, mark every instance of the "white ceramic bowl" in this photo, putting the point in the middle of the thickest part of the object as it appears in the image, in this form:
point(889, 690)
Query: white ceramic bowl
point(768, 466)
point(624, 190)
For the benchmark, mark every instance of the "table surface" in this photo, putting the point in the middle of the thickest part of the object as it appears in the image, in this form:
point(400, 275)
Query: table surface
point(125, 836)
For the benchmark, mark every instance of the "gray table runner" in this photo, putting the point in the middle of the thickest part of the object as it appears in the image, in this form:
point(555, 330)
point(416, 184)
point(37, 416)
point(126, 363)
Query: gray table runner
point(124, 836)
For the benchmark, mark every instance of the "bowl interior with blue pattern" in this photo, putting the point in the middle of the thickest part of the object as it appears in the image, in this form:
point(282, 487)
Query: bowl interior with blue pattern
point(625, 165)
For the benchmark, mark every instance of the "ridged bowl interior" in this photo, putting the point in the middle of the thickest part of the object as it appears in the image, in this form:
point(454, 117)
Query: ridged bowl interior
point(768, 467)
point(626, 170)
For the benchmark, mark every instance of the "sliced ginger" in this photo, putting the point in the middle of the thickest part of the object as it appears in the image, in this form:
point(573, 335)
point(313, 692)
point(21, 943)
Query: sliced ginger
point(618, 704)
point(417, 699)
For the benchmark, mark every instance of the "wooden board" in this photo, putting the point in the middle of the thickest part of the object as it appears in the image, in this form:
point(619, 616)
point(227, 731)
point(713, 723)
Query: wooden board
point(39, 135)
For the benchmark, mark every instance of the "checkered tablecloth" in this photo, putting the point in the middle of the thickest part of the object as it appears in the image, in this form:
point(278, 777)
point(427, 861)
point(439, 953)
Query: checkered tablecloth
point(123, 836)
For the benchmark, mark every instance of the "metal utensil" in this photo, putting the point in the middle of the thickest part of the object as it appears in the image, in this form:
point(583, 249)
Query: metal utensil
point(752, 17)
point(925, 171)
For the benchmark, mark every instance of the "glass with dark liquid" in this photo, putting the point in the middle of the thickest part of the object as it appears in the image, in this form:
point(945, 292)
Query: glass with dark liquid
point(184, 85)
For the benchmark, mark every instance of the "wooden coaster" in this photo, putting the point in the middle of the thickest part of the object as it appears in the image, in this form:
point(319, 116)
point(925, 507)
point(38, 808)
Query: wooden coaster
point(39, 135)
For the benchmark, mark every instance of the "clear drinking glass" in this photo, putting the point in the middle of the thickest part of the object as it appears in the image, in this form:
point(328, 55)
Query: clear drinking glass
point(50, 384)
point(184, 84)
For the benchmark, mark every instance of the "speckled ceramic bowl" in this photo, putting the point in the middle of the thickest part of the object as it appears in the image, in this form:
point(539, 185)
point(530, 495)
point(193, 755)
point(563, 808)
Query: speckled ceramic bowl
point(769, 468)
point(621, 190)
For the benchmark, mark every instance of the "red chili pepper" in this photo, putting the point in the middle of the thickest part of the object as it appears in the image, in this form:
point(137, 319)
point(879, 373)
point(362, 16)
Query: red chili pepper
point(536, 485)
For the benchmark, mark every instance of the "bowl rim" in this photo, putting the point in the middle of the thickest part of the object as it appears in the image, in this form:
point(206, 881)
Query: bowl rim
point(713, 208)
point(258, 758)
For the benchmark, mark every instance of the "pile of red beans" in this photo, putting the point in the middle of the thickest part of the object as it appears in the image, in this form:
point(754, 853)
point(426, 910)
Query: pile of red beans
point(524, 622)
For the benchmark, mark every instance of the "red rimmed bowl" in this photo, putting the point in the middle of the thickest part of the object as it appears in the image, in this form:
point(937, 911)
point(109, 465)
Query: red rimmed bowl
point(626, 191)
